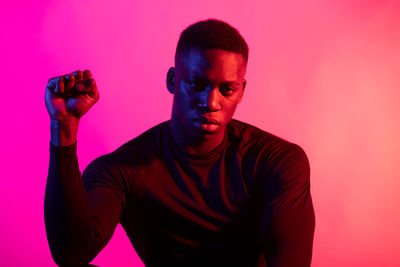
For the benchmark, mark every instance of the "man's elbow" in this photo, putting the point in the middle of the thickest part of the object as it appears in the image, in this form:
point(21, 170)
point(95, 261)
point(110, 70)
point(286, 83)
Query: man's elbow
point(69, 256)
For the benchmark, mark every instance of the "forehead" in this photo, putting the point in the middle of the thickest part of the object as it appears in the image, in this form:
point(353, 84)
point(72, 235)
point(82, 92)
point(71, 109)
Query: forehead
point(206, 62)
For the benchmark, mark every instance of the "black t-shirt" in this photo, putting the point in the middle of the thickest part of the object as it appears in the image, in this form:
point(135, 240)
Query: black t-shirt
point(246, 199)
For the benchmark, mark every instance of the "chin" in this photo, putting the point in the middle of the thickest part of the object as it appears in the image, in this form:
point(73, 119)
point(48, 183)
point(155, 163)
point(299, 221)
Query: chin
point(208, 134)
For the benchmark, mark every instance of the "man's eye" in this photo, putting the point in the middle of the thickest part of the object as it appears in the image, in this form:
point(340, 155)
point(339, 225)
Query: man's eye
point(195, 86)
point(226, 91)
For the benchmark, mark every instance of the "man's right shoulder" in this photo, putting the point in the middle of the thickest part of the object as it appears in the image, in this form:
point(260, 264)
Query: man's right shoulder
point(141, 148)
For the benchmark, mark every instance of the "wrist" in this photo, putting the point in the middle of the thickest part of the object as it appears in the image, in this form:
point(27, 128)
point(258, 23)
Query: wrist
point(64, 132)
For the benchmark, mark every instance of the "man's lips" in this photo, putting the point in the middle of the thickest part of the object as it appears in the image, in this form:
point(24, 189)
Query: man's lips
point(206, 120)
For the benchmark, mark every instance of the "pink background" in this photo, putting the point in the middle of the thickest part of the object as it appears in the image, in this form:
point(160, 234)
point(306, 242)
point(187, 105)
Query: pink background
point(323, 74)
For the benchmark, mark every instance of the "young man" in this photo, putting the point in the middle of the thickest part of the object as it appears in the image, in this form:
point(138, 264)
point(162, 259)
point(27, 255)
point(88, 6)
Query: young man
point(198, 190)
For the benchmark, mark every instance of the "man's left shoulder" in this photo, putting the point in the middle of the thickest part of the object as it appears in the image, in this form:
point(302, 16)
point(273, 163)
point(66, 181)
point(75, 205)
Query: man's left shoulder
point(252, 138)
point(250, 133)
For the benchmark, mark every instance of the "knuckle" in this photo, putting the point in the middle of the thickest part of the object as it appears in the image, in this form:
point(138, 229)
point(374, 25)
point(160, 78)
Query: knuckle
point(53, 79)
point(88, 74)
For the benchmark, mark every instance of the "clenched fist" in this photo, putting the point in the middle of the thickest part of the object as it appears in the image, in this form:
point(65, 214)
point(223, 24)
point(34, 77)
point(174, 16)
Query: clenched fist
point(71, 95)
point(68, 98)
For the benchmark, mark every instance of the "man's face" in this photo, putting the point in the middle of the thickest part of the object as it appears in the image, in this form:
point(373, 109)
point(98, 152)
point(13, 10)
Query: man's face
point(207, 88)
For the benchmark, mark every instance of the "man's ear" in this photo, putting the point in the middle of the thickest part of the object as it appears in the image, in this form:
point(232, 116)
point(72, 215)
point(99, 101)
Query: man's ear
point(171, 80)
point(244, 86)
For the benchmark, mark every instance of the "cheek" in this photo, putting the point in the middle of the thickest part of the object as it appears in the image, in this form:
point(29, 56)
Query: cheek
point(230, 108)
point(189, 98)
point(231, 104)
point(183, 101)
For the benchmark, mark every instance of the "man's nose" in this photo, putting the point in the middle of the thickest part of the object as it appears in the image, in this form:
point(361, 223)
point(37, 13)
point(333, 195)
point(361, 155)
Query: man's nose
point(209, 99)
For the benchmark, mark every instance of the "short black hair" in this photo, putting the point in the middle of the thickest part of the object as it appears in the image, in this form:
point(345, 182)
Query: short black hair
point(212, 34)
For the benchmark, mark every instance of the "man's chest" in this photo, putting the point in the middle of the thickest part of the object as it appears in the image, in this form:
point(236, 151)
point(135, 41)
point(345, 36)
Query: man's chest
point(170, 210)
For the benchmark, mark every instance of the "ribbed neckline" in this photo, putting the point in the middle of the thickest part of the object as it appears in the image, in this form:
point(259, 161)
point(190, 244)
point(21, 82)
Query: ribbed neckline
point(198, 158)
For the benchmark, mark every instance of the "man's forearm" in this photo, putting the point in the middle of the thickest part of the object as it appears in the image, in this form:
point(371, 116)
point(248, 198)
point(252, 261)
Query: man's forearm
point(66, 210)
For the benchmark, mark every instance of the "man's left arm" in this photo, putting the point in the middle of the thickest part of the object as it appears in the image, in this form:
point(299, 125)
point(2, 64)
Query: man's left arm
point(288, 219)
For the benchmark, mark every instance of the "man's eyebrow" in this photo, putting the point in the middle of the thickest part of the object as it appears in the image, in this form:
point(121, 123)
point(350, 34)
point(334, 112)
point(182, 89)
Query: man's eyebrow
point(197, 77)
point(200, 78)
point(229, 83)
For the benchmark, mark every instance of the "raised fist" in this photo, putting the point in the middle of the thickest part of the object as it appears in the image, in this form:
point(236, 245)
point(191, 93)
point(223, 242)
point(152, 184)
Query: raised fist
point(71, 96)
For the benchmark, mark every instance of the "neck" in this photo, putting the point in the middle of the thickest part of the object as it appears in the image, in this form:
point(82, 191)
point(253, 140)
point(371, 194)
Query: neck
point(200, 144)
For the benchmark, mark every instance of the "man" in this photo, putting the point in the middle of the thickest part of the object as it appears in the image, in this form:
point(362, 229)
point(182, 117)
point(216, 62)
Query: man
point(198, 190)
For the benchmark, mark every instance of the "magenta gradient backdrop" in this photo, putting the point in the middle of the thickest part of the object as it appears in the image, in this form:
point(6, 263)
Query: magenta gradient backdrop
point(323, 74)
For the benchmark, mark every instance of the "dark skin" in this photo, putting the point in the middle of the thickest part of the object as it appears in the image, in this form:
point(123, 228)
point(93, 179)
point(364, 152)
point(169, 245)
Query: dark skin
point(207, 86)
point(68, 98)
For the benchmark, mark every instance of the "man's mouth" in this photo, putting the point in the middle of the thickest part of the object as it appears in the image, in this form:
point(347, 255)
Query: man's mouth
point(206, 120)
